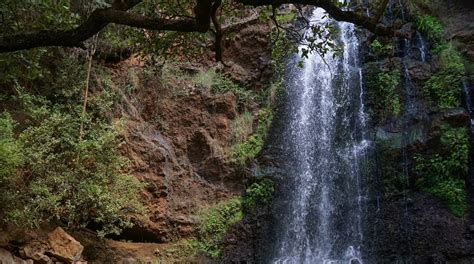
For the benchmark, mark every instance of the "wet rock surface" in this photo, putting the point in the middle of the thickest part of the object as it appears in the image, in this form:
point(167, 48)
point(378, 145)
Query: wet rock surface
point(417, 228)
point(410, 226)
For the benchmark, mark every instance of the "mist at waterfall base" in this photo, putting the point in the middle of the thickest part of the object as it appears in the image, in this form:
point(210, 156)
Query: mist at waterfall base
point(321, 213)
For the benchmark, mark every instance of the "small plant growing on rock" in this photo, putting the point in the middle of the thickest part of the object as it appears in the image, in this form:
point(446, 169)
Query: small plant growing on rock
point(215, 223)
point(383, 86)
point(431, 28)
point(379, 49)
point(250, 148)
point(258, 193)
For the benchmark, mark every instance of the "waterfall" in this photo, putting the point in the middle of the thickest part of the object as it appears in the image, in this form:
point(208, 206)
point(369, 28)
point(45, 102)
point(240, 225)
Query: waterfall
point(420, 42)
point(468, 99)
point(321, 212)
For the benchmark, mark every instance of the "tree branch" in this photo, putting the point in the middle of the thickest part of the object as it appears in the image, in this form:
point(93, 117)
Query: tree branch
point(334, 11)
point(101, 18)
point(217, 25)
point(205, 11)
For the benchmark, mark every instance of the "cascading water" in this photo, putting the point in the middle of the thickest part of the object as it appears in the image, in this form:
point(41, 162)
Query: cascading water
point(469, 104)
point(421, 44)
point(321, 215)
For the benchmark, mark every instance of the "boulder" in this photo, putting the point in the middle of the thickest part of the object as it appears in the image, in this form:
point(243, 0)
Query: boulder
point(63, 246)
point(225, 104)
point(35, 250)
point(7, 258)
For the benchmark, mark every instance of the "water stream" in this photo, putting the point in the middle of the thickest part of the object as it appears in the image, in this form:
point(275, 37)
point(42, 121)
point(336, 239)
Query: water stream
point(322, 213)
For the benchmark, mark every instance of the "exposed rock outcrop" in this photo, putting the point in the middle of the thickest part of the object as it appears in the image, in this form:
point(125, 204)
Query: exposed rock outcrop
point(8, 258)
point(63, 246)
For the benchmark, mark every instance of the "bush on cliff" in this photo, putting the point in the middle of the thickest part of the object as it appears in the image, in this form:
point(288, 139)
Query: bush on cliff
point(62, 177)
point(258, 193)
point(444, 87)
point(443, 173)
point(382, 88)
point(54, 170)
point(431, 28)
point(214, 224)
point(250, 148)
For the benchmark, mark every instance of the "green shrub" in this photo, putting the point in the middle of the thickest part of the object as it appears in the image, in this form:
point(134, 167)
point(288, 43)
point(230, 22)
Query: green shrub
point(382, 87)
point(250, 148)
point(444, 87)
point(10, 158)
point(75, 180)
point(214, 224)
point(259, 192)
point(430, 27)
point(379, 49)
point(453, 193)
point(443, 173)
point(50, 171)
point(246, 150)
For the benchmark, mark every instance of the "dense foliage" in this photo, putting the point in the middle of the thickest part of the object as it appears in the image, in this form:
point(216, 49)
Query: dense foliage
point(430, 27)
point(258, 193)
point(51, 168)
point(443, 173)
point(444, 87)
point(215, 223)
point(382, 88)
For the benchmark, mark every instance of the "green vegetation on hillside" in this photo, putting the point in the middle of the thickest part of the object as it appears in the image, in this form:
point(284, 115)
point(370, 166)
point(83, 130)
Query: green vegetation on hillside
point(444, 87)
point(249, 148)
point(258, 193)
point(214, 224)
point(58, 162)
point(382, 90)
point(431, 28)
point(443, 173)
point(380, 49)
point(216, 221)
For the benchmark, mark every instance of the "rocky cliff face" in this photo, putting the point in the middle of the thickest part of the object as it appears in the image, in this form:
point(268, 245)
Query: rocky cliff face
point(178, 142)
point(178, 136)
point(407, 224)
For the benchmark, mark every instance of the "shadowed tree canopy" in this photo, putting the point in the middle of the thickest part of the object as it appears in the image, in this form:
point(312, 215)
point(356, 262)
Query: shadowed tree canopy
point(154, 15)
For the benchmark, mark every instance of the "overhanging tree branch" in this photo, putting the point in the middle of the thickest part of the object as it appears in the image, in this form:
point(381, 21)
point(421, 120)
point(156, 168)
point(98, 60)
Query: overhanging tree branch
point(102, 17)
point(334, 11)
point(204, 12)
